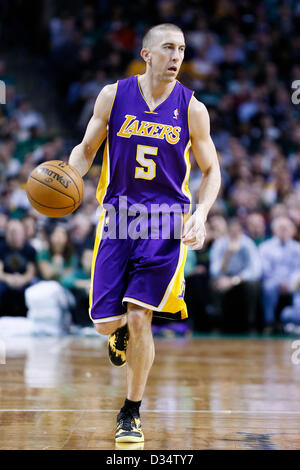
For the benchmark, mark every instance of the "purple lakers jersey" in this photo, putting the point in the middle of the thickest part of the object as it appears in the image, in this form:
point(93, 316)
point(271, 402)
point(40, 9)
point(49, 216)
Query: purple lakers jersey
point(146, 155)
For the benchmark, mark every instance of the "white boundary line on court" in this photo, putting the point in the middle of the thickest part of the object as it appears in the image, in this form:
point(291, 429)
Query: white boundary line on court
point(47, 410)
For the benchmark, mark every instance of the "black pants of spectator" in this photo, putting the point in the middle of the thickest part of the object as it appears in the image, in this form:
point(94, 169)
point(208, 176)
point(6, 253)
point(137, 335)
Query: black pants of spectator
point(284, 301)
point(239, 307)
point(197, 297)
point(12, 301)
point(80, 313)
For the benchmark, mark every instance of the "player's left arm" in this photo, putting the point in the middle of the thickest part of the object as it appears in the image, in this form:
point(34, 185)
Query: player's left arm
point(206, 157)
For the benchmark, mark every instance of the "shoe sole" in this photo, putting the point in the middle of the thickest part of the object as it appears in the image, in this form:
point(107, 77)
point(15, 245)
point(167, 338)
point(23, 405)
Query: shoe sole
point(129, 445)
point(115, 365)
point(129, 439)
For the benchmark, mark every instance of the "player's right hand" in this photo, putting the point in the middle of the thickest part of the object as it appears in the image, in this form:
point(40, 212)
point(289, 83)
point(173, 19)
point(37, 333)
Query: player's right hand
point(194, 232)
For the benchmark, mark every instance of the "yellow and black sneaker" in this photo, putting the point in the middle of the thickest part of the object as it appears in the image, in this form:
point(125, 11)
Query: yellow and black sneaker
point(117, 345)
point(129, 445)
point(129, 428)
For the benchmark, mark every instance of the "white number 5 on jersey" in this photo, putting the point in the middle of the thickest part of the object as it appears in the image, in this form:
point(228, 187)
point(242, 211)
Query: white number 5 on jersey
point(148, 169)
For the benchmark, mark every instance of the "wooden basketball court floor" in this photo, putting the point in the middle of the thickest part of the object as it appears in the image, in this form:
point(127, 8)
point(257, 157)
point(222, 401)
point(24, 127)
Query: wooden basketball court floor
point(202, 393)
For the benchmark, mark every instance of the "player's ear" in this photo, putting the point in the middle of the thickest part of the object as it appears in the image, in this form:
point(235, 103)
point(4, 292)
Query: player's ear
point(146, 55)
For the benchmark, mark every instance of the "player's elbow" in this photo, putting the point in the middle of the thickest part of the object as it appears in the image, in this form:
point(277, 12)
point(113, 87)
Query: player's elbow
point(213, 171)
point(86, 151)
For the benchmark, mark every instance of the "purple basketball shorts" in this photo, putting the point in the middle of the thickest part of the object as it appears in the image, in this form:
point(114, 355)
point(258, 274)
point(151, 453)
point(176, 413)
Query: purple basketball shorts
point(147, 270)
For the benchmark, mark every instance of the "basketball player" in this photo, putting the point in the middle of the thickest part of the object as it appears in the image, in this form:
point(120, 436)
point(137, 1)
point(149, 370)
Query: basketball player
point(150, 122)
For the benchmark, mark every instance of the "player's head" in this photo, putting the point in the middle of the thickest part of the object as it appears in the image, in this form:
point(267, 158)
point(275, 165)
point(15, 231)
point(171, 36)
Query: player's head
point(163, 51)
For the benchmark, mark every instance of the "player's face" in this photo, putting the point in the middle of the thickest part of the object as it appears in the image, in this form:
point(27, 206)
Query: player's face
point(167, 53)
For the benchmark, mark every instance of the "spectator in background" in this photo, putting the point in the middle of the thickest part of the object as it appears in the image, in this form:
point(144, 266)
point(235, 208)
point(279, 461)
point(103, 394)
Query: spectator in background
point(9, 166)
point(27, 117)
point(50, 302)
point(6, 78)
point(82, 232)
point(79, 283)
point(198, 293)
point(17, 269)
point(280, 261)
point(279, 210)
point(290, 315)
point(235, 270)
point(135, 67)
point(59, 261)
point(35, 236)
point(16, 198)
point(217, 227)
point(256, 227)
point(3, 224)
point(87, 94)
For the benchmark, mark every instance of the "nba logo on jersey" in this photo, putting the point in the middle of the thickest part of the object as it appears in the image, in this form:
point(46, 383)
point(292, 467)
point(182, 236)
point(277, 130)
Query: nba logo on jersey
point(176, 113)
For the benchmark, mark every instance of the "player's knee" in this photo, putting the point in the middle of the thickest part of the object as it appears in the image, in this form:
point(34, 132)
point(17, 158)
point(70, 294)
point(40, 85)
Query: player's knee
point(105, 328)
point(139, 319)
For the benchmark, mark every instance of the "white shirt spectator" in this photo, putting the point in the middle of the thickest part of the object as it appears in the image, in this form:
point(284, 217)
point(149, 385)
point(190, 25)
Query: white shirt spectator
point(280, 260)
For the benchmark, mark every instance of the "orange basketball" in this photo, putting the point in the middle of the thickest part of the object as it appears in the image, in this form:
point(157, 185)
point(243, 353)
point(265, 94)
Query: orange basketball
point(55, 188)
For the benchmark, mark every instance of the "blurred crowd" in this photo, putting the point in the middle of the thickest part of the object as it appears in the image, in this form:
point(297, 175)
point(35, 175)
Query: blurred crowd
point(241, 59)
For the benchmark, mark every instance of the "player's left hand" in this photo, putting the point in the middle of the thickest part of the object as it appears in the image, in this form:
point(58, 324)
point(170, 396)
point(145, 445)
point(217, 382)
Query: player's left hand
point(194, 232)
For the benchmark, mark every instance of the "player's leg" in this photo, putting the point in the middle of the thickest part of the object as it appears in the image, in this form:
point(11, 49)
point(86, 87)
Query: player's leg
point(117, 341)
point(140, 350)
point(107, 328)
point(109, 267)
point(140, 356)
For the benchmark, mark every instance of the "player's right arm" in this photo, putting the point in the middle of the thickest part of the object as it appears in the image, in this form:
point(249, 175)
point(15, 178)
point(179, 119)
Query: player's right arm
point(82, 155)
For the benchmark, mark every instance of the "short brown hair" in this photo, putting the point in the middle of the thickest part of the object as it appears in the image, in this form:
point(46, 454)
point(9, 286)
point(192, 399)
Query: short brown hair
point(160, 27)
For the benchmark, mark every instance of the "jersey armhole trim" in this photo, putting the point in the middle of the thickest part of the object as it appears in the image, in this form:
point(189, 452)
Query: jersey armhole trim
point(188, 115)
point(113, 102)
